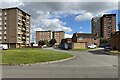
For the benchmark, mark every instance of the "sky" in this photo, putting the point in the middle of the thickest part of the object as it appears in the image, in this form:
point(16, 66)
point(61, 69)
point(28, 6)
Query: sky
point(70, 17)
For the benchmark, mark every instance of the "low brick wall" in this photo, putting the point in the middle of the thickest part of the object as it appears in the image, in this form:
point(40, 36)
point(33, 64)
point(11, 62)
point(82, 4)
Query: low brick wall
point(79, 45)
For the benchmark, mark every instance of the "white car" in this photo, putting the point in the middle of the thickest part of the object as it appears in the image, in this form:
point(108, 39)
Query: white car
point(4, 46)
point(92, 46)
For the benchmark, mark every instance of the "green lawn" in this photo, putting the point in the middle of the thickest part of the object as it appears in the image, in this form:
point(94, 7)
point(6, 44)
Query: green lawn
point(26, 56)
point(113, 52)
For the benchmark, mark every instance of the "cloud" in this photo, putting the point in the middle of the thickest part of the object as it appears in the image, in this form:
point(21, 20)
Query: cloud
point(68, 35)
point(86, 16)
point(81, 27)
point(54, 24)
point(81, 32)
point(50, 24)
point(46, 15)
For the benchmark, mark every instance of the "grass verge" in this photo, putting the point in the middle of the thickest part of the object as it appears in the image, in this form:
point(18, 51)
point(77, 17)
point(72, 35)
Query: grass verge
point(113, 52)
point(79, 49)
point(29, 56)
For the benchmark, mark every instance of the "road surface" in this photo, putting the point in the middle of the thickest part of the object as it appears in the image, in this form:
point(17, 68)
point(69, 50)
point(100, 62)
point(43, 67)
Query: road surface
point(87, 64)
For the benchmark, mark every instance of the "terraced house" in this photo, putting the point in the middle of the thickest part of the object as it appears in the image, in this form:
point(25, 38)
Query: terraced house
point(15, 29)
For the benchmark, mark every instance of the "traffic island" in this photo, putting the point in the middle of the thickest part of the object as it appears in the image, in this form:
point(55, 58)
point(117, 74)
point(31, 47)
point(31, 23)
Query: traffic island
point(31, 56)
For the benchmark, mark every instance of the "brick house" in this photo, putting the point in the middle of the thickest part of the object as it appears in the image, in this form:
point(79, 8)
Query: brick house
point(85, 38)
point(115, 40)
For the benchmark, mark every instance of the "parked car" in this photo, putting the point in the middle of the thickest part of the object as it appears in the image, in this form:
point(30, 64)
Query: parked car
point(1, 47)
point(92, 46)
point(4, 46)
point(107, 47)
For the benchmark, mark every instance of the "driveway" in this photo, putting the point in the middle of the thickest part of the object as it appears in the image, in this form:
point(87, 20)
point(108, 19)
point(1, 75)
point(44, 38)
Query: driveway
point(87, 64)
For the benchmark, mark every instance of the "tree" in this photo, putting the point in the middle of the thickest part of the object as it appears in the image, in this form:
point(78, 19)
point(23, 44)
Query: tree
point(41, 43)
point(63, 41)
point(52, 42)
point(46, 42)
point(104, 41)
point(32, 44)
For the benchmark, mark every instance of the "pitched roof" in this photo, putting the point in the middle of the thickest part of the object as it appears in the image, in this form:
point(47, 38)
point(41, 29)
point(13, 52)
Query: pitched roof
point(83, 35)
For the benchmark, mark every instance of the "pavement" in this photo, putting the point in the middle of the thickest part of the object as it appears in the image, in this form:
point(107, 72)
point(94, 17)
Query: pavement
point(87, 64)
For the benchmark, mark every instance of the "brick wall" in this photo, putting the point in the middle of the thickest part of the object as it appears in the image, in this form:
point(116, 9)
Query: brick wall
point(115, 40)
point(79, 45)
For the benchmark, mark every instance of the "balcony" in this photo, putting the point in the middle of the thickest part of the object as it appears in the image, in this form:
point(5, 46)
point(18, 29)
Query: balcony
point(23, 37)
point(19, 23)
point(19, 37)
point(19, 28)
point(23, 28)
point(5, 23)
point(0, 13)
point(27, 30)
point(0, 23)
point(27, 42)
point(4, 32)
point(5, 14)
point(27, 34)
point(27, 39)
point(0, 18)
point(20, 32)
point(4, 37)
point(5, 28)
point(27, 17)
point(27, 26)
point(19, 41)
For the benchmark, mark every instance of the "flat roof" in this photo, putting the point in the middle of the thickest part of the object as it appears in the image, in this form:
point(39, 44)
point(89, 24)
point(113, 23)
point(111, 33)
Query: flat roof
point(109, 14)
point(16, 8)
point(50, 31)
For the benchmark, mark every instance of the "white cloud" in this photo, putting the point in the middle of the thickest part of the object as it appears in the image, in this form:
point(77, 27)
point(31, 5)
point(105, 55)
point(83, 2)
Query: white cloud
point(102, 13)
point(81, 27)
point(45, 15)
point(81, 32)
point(54, 24)
point(86, 16)
point(68, 35)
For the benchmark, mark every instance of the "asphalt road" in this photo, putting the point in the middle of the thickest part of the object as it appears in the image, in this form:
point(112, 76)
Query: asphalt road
point(87, 64)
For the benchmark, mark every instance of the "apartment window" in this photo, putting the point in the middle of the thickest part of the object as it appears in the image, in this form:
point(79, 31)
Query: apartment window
point(5, 18)
point(0, 18)
point(0, 13)
point(5, 13)
point(4, 37)
point(19, 17)
point(5, 23)
point(5, 28)
point(0, 23)
point(4, 32)
point(18, 25)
